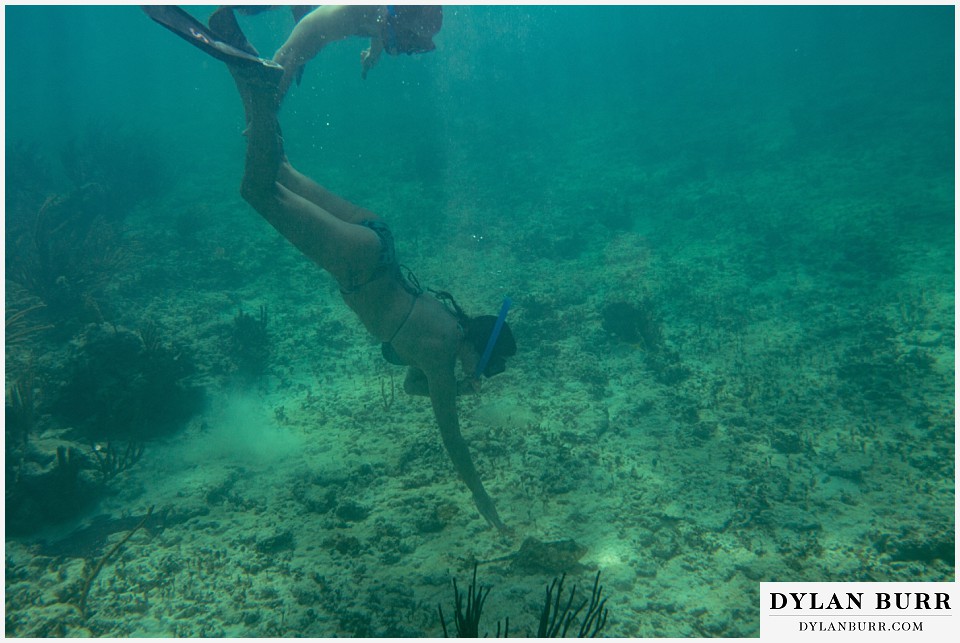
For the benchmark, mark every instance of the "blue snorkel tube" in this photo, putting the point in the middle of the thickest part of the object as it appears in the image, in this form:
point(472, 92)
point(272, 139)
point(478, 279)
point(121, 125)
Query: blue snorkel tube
point(497, 327)
point(390, 42)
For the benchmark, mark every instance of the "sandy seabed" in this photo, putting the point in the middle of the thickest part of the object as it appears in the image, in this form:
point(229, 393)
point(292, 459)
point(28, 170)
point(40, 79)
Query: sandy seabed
point(782, 411)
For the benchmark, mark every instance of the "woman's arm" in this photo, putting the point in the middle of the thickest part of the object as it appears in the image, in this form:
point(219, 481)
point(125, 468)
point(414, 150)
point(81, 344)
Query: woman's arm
point(319, 28)
point(369, 57)
point(415, 383)
point(443, 396)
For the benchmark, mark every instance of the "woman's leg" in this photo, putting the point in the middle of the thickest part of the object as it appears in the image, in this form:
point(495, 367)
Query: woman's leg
point(350, 253)
point(336, 205)
point(346, 251)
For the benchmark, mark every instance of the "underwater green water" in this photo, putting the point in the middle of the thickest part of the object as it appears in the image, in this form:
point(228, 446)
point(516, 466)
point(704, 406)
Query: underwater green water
point(728, 236)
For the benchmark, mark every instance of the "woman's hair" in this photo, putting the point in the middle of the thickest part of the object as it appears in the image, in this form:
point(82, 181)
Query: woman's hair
point(477, 333)
point(414, 28)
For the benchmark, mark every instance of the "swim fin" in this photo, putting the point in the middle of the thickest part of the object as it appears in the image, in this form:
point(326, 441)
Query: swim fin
point(223, 23)
point(192, 30)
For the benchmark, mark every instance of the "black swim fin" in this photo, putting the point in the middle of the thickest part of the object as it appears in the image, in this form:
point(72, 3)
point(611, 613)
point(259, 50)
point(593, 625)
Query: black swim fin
point(223, 23)
point(193, 31)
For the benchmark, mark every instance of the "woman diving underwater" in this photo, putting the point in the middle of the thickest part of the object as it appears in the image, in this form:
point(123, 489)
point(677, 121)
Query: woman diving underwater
point(427, 333)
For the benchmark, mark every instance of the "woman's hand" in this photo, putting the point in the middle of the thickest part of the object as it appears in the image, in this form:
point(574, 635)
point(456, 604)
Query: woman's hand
point(488, 510)
point(468, 386)
point(370, 56)
point(292, 68)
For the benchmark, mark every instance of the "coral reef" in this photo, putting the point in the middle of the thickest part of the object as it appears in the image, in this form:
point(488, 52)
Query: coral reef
point(93, 570)
point(555, 621)
point(250, 344)
point(127, 386)
point(50, 491)
point(112, 459)
point(123, 162)
point(467, 617)
point(65, 245)
point(20, 417)
point(556, 618)
point(634, 323)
